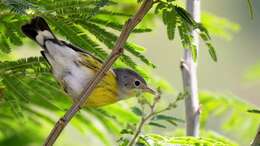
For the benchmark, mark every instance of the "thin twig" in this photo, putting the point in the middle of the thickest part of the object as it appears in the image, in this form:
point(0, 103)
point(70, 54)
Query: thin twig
point(137, 132)
point(117, 51)
point(143, 120)
point(152, 113)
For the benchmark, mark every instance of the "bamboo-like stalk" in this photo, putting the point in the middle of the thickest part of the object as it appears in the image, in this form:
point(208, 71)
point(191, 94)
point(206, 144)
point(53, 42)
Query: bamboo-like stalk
point(117, 51)
point(189, 75)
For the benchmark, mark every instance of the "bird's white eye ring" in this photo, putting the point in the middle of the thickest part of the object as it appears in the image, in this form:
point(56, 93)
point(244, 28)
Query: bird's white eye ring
point(137, 83)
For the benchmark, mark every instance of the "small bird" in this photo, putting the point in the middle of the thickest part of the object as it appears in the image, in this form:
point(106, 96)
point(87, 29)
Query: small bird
point(74, 67)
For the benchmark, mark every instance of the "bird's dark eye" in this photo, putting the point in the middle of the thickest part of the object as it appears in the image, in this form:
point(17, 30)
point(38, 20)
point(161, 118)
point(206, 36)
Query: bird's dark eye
point(137, 83)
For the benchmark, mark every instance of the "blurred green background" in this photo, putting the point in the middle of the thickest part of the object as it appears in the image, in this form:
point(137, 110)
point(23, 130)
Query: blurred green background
point(236, 52)
point(236, 55)
point(233, 75)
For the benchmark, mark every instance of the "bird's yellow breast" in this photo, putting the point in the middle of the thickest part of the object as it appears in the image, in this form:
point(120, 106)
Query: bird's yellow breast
point(106, 92)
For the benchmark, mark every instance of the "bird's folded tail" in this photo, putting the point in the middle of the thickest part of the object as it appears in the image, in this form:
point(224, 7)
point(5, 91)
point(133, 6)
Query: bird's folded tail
point(38, 30)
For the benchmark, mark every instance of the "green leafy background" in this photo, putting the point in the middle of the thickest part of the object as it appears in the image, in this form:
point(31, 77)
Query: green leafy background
point(29, 96)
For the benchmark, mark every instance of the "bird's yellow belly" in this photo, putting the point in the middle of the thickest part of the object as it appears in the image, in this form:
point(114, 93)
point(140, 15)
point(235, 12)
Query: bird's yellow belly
point(106, 92)
point(102, 96)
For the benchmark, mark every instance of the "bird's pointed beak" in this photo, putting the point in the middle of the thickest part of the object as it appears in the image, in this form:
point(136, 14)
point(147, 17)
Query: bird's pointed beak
point(147, 89)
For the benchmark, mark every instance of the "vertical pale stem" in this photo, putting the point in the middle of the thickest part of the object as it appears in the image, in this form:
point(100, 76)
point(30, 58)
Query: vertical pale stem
point(189, 74)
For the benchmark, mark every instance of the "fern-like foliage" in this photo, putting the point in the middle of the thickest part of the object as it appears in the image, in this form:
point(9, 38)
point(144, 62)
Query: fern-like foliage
point(220, 26)
point(18, 6)
point(68, 17)
point(35, 65)
point(28, 92)
point(10, 32)
point(159, 140)
point(175, 17)
point(208, 134)
point(236, 115)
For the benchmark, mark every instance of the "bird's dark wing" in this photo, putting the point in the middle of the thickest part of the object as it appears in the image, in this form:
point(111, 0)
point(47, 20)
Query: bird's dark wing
point(44, 56)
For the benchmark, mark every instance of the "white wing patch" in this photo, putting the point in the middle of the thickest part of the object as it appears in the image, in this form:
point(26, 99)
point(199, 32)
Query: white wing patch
point(42, 35)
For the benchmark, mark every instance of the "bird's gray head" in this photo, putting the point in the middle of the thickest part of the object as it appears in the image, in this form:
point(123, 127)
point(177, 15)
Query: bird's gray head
point(130, 82)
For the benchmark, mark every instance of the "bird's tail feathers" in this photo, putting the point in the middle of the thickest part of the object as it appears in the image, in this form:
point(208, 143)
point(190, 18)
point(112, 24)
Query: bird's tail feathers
point(38, 30)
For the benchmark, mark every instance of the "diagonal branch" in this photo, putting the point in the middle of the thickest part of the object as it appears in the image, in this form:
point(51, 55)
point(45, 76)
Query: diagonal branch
point(117, 51)
point(256, 141)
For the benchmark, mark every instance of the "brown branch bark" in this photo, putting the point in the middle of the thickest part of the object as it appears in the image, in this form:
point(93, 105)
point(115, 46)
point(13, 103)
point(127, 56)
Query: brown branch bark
point(189, 75)
point(256, 141)
point(117, 51)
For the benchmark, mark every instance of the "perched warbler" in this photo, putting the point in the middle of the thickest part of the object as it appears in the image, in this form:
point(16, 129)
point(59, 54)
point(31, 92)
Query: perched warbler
point(74, 67)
